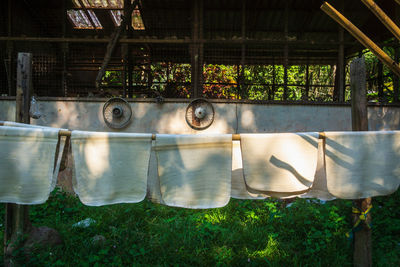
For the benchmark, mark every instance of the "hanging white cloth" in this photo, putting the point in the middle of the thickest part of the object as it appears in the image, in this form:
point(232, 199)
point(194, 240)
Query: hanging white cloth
point(239, 189)
point(280, 165)
point(362, 164)
point(195, 170)
point(110, 168)
point(27, 159)
point(153, 181)
point(319, 188)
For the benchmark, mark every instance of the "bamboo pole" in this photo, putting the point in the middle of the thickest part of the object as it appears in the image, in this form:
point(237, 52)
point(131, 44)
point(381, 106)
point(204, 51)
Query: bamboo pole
point(361, 37)
point(381, 15)
point(235, 137)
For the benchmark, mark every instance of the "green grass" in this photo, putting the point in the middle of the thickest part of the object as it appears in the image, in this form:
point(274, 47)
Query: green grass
point(251, 233)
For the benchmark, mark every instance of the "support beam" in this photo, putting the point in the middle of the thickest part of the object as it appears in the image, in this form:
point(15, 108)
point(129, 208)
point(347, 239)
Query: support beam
point(385, 19)
point(272, 95)
point(396, 80)
point(17, 216)
point(305, 98)
point(380, 82)
point(286, 52)
point(341, 66)
point(243, 51)
point(64, 51)
point(362, 239)
point(196, 49)
point(361, 37)
point(107, 57)
point(10, 51)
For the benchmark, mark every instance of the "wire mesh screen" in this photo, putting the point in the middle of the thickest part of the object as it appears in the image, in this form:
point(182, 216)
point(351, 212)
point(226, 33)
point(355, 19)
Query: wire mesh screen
point(261, 50)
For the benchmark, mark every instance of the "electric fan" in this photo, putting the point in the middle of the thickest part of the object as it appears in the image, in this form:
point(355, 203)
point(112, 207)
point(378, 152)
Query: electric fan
point(117, 113)
point(200, 114)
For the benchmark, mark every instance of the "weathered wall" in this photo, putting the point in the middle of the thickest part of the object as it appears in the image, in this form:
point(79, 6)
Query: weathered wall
point(229, 117)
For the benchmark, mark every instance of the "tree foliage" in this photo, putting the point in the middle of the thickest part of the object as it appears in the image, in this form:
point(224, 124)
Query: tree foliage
point(254, 82)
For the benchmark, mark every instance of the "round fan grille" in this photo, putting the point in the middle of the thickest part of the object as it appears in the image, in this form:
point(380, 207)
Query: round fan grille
point(117, 113)
point(200, 114)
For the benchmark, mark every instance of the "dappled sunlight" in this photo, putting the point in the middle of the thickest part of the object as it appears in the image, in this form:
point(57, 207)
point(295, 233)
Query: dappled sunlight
point(194, 171)
point(279, 162)
point(247, 119)
point(173, 123)
point(362, 164)
point(96, 157)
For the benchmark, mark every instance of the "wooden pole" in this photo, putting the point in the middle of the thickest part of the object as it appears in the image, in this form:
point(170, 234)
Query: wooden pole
point(359, 117)
point(286, 52)
point(17, 216)
point(396, 80)
point(381, 15)
point(380, 82)
point(361, 37)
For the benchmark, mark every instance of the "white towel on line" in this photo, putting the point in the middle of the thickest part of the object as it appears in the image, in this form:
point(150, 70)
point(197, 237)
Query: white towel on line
point(280, 165)
point(362, 164)
point(239, 189)
point(319, 188)
point(110, 168)
point(195, 170)
point(153, 181)
point(27, 159)
point(61, 150)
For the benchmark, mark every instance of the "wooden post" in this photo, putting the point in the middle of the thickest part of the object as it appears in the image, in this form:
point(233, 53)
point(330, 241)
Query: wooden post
point(196, 49)
point(396, 80)
point(272, 94)
point(243, 50)
point(359, 117)
point(10, 52)
point(107, 57)
point(380, 82)
point(17, 216)
point(286, 51)
point(307, 81)
point(340, 67)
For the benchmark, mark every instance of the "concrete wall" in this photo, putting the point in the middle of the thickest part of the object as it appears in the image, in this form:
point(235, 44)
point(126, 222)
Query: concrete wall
point(229, 117)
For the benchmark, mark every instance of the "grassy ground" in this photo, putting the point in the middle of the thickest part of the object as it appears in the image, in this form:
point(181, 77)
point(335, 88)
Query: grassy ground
point(251, 233)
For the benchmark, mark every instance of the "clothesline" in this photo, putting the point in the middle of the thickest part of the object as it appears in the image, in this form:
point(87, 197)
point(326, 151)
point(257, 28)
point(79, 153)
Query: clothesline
point(235, 137)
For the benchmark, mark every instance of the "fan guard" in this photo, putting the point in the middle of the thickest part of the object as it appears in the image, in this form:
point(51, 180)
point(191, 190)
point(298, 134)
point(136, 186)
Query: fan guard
point(200, 114)
point(117, 113)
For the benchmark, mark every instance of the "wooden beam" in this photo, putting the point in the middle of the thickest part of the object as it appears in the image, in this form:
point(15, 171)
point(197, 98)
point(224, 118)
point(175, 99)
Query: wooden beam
point(385, 19)
point(286, 51)
point(17, 216)
point(107, 57)
point(362, 239)
point(380, 82)
point(197, 49)
point(341, 62)
point(396, 80)
point(243, 52)
point(276, 42)
point(307, 88)
point(361, 37)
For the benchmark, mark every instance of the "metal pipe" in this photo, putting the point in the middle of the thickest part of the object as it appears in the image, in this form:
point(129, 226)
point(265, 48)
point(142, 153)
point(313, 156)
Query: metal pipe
point(381, 15)
point(361, 37)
